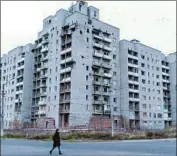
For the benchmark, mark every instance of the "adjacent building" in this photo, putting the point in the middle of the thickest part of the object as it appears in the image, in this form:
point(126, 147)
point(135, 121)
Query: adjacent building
point(16, 84)
point(145, 86)
point(171, 58)
point(76, 71)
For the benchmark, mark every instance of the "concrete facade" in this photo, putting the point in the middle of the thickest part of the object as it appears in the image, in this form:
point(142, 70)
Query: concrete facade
point(78, 44)
point(16, 77)
point(145, 83)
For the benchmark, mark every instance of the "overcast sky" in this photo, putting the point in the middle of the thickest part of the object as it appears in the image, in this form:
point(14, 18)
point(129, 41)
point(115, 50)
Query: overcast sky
point(153, 23)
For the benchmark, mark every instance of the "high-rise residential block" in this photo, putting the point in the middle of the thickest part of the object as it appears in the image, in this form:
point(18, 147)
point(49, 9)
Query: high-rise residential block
point(16, 86)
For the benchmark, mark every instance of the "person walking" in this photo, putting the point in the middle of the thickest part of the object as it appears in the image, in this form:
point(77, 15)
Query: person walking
point(56, 142)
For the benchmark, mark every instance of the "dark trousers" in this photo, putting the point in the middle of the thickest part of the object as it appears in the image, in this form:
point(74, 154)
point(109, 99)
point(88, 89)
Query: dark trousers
point(59, 149)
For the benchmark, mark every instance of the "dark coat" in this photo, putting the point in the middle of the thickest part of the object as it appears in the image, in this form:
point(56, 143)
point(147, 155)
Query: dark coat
point(56, 139)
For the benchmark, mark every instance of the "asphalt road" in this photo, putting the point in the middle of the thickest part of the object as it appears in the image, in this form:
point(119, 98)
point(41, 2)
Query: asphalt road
point(12, 147)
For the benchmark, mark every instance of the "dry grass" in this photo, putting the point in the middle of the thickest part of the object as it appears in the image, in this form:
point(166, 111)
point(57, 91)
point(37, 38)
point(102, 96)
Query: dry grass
point(72, 136)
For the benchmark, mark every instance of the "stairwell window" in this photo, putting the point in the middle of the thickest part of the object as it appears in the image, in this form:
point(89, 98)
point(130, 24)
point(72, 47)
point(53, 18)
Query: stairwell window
point(87, 68)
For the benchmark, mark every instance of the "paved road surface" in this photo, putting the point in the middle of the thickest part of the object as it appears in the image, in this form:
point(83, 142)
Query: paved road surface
point(12, 147)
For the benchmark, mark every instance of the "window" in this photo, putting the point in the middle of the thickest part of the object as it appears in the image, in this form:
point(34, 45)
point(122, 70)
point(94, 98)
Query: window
point(114, 56)
point(149, 89)
point(148, 81)
point(87, 87)
point(114, 73)
point(50, 71)
point(56, 41)
point(149, 114)
point(114, 99)
point(86, 97)
point(143, 81)
point(142, 57)
point(87, 39)
point(56, 69)
point(142, 65)
point(87, 68)
point(115, 109)
point(157, 69)
point(95, 13)
point(144, 114)
point(87, 30)
point(158, 83)
point(55, 88)
point(154, 115)
point(86, 77)
point(143, 73)
point(159, 115)
point(144, 106)
point(55, 97)
point(144, 97)
point(157, 76)
point(149, 98)
point(143, 89)
point(149, 106)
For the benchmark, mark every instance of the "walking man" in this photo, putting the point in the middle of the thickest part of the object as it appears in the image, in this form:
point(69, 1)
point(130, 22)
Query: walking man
point(56, 142)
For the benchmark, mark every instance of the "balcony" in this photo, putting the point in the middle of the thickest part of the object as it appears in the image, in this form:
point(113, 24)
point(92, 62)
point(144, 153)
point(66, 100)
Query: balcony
point(68, 79)
point(98, 92)
point(97, 37)
point(64, 101)
point(44, 66)
point(97, 82)
point(165, 74)
point(39, 45)
point(166, 67)
point(107, 65)
point(65, 51)
point(42, 102)
point(134, 99)
point(97, 112)
point(44, 58)
point(167, 118)
point(107, 48)
point(68, 69)
point(42, 112)
point(19, 83)
point(97, 63)
point(134, 90)
point(107, 57)
point(45, 41)
point(38, 69)
point(133, 73)
point(133, 82)
point(42, 94)
point(132, 65)
point(43, 85)
point(107, 75)
point(107, 39)
point(97, 54)
point(19, 92)
point(133, 57)
point(107, 84)
point(65, 90)
point(97, 102)
point(64, 111)
point(45, 49)
point(69, 59)
point(97, 45)
point(43, 76)
point(20, 67)
point(166, 81)
point(98, 73)
point(106, 93)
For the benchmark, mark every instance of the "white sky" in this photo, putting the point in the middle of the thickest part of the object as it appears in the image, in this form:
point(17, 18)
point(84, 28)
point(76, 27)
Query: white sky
point(153, 23)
